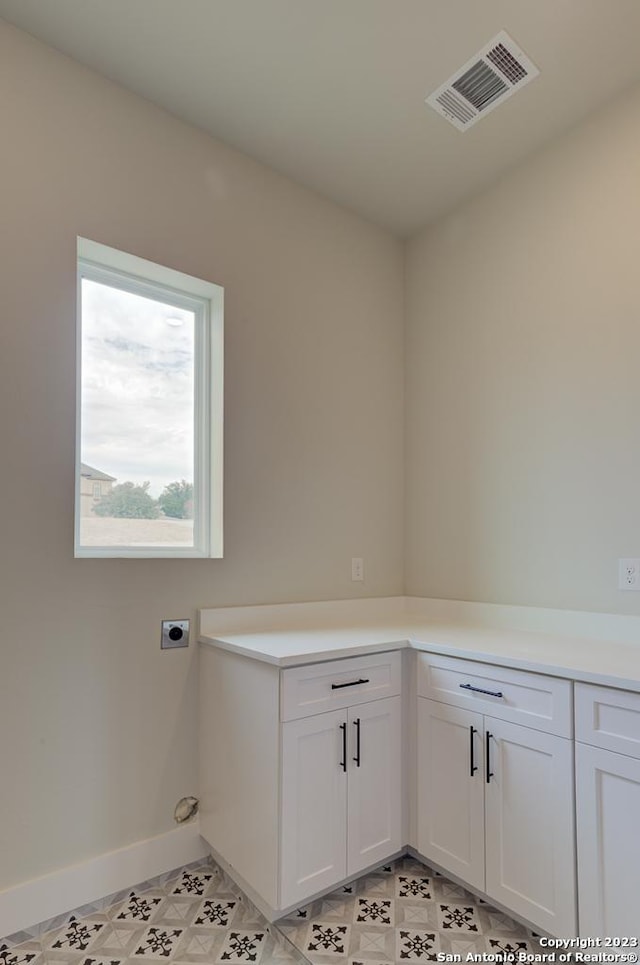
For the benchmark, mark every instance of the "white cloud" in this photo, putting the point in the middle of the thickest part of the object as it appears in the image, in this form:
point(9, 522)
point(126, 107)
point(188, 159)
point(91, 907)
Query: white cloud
point(137, 386)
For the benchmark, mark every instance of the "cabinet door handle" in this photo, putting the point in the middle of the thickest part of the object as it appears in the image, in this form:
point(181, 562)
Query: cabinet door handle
point(350, 683)
point(357, 727)
point(473, 767)
point(343, 762)
point(479, 690)
point(487, 762)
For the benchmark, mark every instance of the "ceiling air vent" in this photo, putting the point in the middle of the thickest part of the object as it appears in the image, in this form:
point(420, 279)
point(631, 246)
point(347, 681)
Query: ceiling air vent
point(498, 71)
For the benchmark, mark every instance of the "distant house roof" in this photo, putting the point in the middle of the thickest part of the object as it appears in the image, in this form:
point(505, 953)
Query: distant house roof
point(90, 473)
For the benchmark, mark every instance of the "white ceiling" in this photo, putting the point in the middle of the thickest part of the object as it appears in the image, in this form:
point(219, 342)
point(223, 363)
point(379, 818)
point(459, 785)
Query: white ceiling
point(331, 92)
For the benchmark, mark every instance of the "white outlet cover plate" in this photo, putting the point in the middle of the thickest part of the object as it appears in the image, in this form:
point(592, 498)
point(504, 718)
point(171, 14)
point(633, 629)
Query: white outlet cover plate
point(629, 573)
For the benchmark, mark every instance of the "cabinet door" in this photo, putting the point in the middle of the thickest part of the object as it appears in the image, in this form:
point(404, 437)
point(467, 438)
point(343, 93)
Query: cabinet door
point(608, 806)
point(374, 825)
point(530, 850)
point(314, 805)
point(450, 796)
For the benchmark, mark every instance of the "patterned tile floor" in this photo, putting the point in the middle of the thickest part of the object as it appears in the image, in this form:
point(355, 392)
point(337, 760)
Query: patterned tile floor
point(194, 914)
point(403, 912)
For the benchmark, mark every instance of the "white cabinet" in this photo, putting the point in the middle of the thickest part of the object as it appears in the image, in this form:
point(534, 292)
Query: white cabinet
point(495, 797)
point(608, 806)
point(341, 771)
point(314, 805)
point(300, 771)
point(341, 795)
point(374, 815)
point(450, 796)
point(529, 821)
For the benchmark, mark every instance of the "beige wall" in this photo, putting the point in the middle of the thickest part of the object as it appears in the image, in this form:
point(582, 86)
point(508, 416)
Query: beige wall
point(523, 380)
point(97, 725)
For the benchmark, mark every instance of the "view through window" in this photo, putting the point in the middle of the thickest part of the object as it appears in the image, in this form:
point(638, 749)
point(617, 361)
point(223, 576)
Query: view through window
point(143, 469)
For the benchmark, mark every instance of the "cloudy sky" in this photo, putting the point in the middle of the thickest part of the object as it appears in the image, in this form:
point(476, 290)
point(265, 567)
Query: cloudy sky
point(137, 387)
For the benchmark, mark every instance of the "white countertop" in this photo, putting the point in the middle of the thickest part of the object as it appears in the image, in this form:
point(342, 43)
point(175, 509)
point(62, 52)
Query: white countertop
point(605, 650)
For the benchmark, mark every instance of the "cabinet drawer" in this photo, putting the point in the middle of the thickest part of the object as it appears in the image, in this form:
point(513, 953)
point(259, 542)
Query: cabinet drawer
point(543, 703)
point(608, 718)
point(320, 687)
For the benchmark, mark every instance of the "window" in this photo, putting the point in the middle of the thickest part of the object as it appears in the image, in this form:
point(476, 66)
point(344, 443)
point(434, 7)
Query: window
point(149, 425)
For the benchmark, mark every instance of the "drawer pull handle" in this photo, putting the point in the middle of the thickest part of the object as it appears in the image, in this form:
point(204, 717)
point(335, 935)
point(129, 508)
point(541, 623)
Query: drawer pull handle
point(479, 690)
point(473, 767)
point(357, 726)
point(343, 762)
point(489, 771)
point(350, 683)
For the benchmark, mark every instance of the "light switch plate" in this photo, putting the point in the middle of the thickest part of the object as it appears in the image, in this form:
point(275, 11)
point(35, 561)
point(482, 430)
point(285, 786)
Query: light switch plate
point(175, 633)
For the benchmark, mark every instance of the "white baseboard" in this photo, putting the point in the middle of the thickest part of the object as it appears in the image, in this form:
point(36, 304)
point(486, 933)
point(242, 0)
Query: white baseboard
point(61, 891)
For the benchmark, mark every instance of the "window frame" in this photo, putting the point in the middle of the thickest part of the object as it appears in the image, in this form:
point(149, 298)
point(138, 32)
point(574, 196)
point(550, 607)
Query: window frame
point(138, 276)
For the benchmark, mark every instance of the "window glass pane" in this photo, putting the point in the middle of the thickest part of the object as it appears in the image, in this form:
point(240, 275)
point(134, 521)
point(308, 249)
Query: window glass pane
point(137, 424)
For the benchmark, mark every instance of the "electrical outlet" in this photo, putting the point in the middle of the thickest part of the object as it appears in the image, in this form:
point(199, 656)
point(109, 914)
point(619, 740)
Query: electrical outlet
point(629, 574)
point(357, 569)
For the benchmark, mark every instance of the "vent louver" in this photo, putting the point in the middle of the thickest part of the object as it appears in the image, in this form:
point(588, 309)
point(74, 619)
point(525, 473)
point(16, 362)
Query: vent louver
point(486, 80)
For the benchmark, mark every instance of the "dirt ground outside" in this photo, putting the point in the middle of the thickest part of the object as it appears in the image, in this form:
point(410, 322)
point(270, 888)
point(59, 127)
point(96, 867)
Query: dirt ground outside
point(113, 531)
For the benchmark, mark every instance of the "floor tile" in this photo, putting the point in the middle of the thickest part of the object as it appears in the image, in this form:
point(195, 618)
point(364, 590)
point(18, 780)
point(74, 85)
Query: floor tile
point(401, 913)
point(16, 956)
point(243, 946)
point(137, 907)
point(376, 942)
point(369, 961)
point(90, 960)
point(417, 946)
point(158, 942)
point(326, 938)
point(409, 886)
point(214, 913)
point(78, 935)
point(458, 919)
point(506, 946)
point(375, 911)
point(119, 939)
point(410, 913)
point(193, 883)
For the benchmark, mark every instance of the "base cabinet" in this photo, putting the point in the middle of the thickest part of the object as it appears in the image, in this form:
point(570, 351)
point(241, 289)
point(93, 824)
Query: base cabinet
point(341, 795)
point(607, 811)
point(499, 813)
point(608, 795)
point(301, 779)
point(451, 789)
point(301, 771)
point(529, 821)
point(374, 794)
point(496, 801)
point(314, 802)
